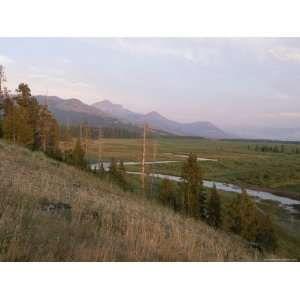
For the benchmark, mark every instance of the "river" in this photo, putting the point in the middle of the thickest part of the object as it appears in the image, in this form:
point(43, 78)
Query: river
point(257, 195)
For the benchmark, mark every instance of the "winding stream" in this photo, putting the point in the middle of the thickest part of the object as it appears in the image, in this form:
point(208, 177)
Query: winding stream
point(258, 195)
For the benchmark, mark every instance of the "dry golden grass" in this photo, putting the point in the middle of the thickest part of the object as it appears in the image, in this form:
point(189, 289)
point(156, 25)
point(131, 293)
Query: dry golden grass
point(106, 223)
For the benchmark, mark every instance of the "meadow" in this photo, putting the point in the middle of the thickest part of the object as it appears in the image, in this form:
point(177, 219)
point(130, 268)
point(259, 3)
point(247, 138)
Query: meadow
point(237, 161)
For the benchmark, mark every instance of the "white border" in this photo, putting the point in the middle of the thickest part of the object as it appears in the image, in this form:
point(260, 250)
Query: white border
point(148, 18)
point(145, 281)
point(139, 18)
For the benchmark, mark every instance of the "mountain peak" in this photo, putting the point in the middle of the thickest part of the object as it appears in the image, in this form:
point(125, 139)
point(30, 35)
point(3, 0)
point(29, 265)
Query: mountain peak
point(106, 101)
point(154, 114)
point(107, 104)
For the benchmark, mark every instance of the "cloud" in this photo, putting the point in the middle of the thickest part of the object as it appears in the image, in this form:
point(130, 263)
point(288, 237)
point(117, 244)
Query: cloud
point(64, 61)
point(82, 84)
point(191, 50)
point(288, 54)
point(286, 115)
point(214, 50)
point(38, 76)
point(5, 60)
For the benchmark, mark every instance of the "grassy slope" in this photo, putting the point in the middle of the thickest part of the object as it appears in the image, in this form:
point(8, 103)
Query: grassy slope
point(106, 224)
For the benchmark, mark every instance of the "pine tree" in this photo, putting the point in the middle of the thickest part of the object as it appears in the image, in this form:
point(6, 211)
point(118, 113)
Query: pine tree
point(24, 94)
point(266, 236)
point(113, 170)
point(214, 209)
point(16, 127)
point(249, 217)
point(167, 193)
point(192, 188)
point(31, 109)
point(78, 155)
point(232, 220)
point(243, 218)
point(53, 140)
point(122, 176)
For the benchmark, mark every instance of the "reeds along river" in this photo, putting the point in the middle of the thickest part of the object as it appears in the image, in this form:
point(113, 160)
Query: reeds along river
point(257, 195)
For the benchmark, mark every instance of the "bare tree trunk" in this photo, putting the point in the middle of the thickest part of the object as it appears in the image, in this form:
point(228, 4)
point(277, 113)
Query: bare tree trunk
point(144, 158)
point(99, 145)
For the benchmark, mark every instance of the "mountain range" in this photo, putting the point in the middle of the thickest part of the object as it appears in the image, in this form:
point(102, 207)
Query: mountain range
point(159, 122)
point(105, 113)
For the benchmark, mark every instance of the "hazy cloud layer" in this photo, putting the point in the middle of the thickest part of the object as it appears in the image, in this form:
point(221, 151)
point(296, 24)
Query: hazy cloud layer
point(231, 82)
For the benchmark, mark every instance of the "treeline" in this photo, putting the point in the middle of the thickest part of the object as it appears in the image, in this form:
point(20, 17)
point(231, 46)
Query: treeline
point(240, 216)
point(24, 121)
point(94, 132)
point(274, 148)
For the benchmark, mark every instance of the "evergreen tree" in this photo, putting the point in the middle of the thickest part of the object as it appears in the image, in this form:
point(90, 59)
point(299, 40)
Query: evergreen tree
point(122, 176)
point(52, 147)
point(192, 188)
point(113, 170)
point(249, 217)
point(214, 209)
point(243, 218)
point(78, 155)
point(24, 94)
point(266, 236)
point(167, 193)
point(31, 108)
point(16, 127)
point(232, 220)
point(28, 123)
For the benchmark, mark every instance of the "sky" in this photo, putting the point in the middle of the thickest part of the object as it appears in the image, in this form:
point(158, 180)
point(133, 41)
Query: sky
point(231, 82)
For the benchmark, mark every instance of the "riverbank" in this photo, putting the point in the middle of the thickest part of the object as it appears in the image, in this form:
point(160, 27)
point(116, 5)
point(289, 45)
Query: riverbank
point(259, 193)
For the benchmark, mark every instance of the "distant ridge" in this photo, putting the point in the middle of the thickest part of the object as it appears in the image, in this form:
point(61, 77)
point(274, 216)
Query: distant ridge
point(159, 122)
point(105, 113)
point(74, 111)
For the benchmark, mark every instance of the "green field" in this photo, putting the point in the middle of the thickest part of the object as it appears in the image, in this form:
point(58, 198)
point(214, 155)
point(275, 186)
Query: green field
point(236, 163)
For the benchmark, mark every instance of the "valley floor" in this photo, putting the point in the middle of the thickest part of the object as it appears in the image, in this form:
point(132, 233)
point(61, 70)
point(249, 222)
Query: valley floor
point(233, 162)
